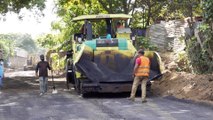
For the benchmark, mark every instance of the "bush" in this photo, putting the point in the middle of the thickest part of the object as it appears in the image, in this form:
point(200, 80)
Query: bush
point(5, 50)
point(144, 43)
point(199, 58)
point(183, 62)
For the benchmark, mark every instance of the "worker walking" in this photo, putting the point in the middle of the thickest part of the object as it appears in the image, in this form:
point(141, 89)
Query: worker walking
point(1, 73)
point(42, 67)
point(141, 74)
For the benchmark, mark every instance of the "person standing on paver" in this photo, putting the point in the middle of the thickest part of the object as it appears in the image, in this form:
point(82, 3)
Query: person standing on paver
point(42, 67)
point(119, 25)
point(141, 74)
point(1, 73)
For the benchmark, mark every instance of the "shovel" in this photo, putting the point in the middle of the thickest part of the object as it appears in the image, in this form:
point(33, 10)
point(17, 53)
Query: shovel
point(54, 89)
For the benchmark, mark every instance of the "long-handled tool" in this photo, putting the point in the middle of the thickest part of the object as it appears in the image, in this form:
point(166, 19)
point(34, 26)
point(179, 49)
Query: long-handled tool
point(54, 88)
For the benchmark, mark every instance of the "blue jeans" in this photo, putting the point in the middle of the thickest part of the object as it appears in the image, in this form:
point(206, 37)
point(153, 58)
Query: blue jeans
point(1, 81)
point(43, 84)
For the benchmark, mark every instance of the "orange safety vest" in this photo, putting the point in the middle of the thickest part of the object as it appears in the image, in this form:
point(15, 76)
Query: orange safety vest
point(144, 68)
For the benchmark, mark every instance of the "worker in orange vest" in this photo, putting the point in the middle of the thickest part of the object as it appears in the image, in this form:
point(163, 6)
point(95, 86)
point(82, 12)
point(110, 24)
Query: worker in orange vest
point(141, 74)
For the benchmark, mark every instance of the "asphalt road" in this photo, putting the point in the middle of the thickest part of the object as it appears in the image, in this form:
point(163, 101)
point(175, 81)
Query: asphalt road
point(20, 100)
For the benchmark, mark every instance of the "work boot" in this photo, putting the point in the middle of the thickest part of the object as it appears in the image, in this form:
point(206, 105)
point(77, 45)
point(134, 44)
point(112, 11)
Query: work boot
point(41, 94)
point(144, 101)
point(130, 98)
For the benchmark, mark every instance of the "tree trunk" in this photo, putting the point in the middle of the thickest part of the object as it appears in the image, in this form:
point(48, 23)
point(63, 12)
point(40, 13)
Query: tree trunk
point(148, 16)
point(191, 11)
point(109, 10)
point(133, 10)
point(211, 26)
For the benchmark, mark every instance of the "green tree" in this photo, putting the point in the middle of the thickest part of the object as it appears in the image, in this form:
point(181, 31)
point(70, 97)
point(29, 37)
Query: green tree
point(67, 10)
point(153, 10)
point(117, 6)
point(184, 8)
point(8, 42)
point(5, 49)
point(17, 5)
point(149, 11)
point(23, 41)
point(207, 10)
point(201, 54)
point(207, 5)
point(26, 42)
point(47, 41)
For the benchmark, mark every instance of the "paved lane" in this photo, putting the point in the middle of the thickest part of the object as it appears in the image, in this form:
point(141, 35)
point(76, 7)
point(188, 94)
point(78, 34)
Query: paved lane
point(20, 100)
point(69, 106)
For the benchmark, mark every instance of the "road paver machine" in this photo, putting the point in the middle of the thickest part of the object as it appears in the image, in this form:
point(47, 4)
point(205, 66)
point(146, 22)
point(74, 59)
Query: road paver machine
point(104, 63)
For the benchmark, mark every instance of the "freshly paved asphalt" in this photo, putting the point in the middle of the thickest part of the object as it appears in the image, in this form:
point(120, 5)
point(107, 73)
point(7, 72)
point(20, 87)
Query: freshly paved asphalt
point(26, 104)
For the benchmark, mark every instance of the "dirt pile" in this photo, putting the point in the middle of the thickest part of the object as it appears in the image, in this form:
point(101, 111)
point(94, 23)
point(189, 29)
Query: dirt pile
point(184, 85)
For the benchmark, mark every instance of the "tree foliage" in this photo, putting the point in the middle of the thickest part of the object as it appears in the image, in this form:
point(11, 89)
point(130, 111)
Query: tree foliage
point(23, 41)
point(184, 8)
point(17, 5)
point(117, 6)
point(208, 10)
point(147, 12)
point(47, 41)
point(199, 58)
point(26, 42)
point(201, 54)
point(5, 49)
point(70, 9)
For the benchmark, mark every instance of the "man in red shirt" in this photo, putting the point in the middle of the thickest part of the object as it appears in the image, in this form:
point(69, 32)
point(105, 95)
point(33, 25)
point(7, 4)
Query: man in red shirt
point(119, 25)
point(141, 74)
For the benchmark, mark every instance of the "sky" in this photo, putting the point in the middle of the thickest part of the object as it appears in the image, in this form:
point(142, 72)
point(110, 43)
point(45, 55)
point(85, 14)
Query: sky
point(29, 24)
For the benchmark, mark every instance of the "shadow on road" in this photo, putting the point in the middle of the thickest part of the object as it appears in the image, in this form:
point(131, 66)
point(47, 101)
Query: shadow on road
point(30, 83)
point(113, 95)
point(25, 84)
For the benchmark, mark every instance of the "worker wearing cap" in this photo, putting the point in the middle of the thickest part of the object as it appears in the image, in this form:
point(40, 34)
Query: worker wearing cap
point(141, 74)
point(42, 67)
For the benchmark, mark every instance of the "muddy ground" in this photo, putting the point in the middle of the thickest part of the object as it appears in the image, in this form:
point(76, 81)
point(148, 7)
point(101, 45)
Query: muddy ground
point(183, 85)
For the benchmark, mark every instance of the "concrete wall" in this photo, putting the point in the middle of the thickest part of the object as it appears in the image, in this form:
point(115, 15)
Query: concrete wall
point(166, 35)
point(18, 62)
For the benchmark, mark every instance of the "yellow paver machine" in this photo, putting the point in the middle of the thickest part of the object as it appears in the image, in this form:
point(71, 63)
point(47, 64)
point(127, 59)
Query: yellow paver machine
point(104, 63)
